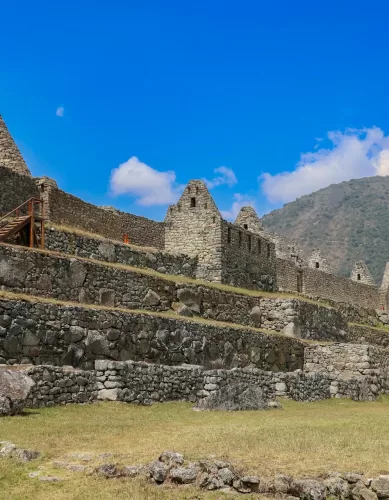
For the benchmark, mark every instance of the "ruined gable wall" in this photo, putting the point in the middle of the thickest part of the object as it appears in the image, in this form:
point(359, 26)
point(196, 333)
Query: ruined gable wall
point(68, 210)
point(193, 227)
point(248, 260)
point(15, 189)
point(10, 155)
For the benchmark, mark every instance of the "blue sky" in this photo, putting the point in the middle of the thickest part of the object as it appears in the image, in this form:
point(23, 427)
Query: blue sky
point(174, 90)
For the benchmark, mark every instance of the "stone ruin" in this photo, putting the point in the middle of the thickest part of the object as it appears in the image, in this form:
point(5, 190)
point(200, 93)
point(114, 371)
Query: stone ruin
point(92, 318)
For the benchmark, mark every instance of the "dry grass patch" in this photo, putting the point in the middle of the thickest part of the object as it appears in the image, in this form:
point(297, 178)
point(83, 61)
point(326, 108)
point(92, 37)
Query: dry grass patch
point(303, 439)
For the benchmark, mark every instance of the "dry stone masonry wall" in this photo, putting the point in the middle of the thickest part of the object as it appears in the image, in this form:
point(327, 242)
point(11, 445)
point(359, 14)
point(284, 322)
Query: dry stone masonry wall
point(110, 251)
point(15, 189)
point(56, 385)
point(49, 333)
point(68, 210)
point(55, 276)
point(143, 383)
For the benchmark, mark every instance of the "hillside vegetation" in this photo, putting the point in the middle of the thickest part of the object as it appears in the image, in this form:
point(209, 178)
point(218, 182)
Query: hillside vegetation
point(347, 222)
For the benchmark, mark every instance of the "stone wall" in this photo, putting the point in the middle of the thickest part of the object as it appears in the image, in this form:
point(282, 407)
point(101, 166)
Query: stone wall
point(68, 242)
point(50, 275)
point(348, 360)
point(68, 210)
point(15, 189)
point(10, 156)
point(69, 279)
point(248, 260)
point(144, 383)
point(360, 334)
point(56, 385)
point(302, 319)
point(49, 333)
point(318, 285)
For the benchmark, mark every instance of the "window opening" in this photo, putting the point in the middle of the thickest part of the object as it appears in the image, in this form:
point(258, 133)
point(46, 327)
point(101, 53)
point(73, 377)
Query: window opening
point(249, 240)
point(317, 265)
point(268, 250)
point(245, 226)
point(193, 202)
point(240, 238)
point(259, 246)
point(359, 277)
point(229, 235)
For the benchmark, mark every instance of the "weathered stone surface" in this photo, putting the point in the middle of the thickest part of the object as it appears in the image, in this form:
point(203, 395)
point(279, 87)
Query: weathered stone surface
point(308, 489)
point(381, 486)
point(171, 457)
point(151, 298)
point(158, 471)
point(9, 450)
point(15, 387)
point(360, 492)
point(235, 397)
point(185, 475)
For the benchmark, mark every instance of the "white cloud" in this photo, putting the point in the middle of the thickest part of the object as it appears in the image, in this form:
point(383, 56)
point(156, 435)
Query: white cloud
point(226, 176)
point(60, 111)
point(240, 200)
point(353, 154)
point(148, 185)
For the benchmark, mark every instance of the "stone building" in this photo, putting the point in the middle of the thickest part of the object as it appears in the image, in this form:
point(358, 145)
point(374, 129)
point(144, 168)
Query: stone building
point(360, 272)
point(227, 253)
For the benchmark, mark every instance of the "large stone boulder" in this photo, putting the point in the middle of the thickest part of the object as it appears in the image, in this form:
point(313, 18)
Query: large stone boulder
point(236, 397)
point(15, 387)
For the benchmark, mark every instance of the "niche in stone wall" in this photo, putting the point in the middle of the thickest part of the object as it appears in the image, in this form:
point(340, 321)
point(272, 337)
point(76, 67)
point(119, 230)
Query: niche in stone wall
point(229, 235)
point(259, 246)
point(359, 277)
point(317, 265)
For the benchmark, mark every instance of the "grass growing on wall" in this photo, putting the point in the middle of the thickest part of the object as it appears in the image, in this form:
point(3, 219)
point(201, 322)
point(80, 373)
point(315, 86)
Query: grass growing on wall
point(302, 439)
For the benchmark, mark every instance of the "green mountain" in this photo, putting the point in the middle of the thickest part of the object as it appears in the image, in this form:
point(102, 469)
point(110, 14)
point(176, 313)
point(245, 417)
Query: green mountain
point(347, 222)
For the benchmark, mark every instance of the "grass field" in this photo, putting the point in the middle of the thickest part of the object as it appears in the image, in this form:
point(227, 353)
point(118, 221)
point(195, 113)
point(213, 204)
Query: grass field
point(302, 439)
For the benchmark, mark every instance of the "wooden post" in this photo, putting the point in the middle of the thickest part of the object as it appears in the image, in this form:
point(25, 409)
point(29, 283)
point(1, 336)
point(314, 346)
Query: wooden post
point(42, 226)
point(31, 214)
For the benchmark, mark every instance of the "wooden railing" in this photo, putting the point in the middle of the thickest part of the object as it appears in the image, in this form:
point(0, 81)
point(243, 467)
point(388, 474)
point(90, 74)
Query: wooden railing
point(34, 209)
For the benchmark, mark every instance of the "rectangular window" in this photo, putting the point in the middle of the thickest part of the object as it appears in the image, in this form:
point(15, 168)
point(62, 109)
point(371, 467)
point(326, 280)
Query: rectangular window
point(268, 250)
point(193, 202)
point(229, 235)
point(259, 247)
point(249, 240)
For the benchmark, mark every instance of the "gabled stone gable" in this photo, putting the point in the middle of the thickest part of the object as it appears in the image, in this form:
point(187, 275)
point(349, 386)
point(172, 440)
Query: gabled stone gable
point(10, 155)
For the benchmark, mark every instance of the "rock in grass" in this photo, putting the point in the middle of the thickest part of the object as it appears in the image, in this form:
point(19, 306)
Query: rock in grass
point(10, 450)
point(15, 387)
point(235, 397)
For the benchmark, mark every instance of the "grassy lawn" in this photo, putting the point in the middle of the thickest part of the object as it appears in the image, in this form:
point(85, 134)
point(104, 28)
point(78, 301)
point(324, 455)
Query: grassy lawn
point(303, 439)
